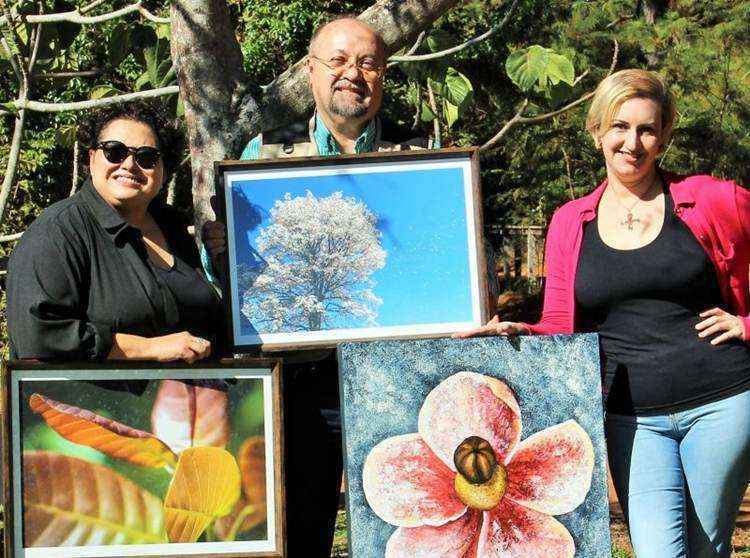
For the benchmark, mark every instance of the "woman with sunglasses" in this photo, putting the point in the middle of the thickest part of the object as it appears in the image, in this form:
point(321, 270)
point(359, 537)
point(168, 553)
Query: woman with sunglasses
point(111, 272)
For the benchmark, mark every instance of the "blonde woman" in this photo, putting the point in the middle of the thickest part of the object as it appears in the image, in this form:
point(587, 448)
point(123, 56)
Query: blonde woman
point(658, 264)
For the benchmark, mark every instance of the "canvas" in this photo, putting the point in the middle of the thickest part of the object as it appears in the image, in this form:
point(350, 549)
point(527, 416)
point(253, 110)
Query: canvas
point(482, 447)
point(353, 248)
point(143, 462)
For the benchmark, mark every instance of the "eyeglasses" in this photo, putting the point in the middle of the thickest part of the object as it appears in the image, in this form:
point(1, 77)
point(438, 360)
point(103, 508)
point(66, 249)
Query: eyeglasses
point(370, 69)
point(116, 152)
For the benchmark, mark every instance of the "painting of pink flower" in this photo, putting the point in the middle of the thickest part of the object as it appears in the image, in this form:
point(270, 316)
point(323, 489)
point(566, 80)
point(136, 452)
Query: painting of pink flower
point(466, 486)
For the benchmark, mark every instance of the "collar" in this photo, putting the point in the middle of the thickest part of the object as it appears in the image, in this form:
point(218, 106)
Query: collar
point(111, 221)
point(327, 144)
point(681, 196)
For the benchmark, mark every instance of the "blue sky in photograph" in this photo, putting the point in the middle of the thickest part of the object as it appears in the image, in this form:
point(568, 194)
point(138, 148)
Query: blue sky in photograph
point(422, 218)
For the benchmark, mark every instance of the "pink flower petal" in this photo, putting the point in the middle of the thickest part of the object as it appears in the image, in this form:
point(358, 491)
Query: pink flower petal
point(551, 470)
point(408, 486)
point(512, 531)
point(457, 539)
point(470, 404)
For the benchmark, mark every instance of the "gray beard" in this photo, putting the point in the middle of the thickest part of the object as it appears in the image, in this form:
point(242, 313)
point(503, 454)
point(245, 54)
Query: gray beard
point(347, 110)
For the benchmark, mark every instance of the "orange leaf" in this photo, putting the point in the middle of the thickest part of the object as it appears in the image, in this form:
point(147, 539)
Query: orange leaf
point(252, 457)
point(185, 416)
point(108, 436)
point(71, 502)
point(205, 486)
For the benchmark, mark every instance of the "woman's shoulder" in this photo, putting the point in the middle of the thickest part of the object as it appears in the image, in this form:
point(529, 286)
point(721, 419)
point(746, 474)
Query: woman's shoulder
point(701, 186)
point(65, 217)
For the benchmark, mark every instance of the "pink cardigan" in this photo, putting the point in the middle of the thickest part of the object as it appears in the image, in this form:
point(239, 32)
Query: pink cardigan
point(718, 214)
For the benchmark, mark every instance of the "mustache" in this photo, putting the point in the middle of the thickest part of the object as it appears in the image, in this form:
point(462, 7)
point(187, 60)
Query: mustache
point(349, 85)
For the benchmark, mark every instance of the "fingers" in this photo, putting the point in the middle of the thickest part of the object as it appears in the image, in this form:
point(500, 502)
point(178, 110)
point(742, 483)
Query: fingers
point(482, 331)
point(712, 312)
point(201, 347)
point(726, 336)
point(214, 237)
point(494, 327)
point(718, 320)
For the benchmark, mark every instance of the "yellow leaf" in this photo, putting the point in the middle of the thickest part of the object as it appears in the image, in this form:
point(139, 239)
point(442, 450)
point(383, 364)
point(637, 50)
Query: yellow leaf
point(252, 457)
point(108, 436)
point(71, 502)
point(205, 486)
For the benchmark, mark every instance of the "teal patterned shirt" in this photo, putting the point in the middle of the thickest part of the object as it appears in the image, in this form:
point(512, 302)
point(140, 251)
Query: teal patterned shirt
point(324, 140)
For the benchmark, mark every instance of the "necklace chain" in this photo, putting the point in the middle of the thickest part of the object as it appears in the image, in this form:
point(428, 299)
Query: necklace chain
point(629, 220)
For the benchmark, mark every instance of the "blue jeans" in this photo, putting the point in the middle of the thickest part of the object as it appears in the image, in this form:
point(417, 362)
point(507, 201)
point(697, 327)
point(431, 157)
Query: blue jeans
point(680, 477)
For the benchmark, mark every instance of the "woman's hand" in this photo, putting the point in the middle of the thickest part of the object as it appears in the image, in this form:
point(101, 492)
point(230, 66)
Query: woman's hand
point(214, 238)
point(717, 320)
point(166, 348)
point(494, 327)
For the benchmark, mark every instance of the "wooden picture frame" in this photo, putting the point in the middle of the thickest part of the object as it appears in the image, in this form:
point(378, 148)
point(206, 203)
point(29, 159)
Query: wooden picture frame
point(77, 482)
point(409, 223)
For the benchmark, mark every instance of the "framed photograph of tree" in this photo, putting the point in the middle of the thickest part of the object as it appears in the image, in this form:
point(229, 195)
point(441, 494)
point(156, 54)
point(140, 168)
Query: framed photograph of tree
point(356, 247)
point(115, 460)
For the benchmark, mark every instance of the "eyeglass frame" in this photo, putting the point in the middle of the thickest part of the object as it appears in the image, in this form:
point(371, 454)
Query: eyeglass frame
point(131, 151)
point(357, 64)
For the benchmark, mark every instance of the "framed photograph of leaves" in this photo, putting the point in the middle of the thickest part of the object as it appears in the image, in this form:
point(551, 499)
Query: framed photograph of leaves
point(379, 245)
point(125, 459)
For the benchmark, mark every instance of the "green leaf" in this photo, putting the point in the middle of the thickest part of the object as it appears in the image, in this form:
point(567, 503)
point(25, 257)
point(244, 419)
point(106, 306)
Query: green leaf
point(450, 112)
point(438, 87)
point(427, 115)
point(143, 81)
point(539, 68)
point(164, 31)
point(458, 88)
point(66, 135)
point(11, 107)
point(180, 112)
point(439, 40)
point(118, 44)
point(102, 91)
point(141, 38)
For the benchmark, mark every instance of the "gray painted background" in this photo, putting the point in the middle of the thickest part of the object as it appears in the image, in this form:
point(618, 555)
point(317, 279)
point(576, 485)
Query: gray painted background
point(555, 378)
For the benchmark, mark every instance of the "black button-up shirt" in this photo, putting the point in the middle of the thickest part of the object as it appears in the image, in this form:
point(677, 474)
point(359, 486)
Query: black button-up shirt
point(81, 273)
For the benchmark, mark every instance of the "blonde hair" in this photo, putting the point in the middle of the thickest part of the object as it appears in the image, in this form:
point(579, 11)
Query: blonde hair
point(622, 86)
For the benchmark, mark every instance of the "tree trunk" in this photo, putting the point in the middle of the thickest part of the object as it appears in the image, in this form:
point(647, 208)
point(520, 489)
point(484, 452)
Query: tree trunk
point(223, 109)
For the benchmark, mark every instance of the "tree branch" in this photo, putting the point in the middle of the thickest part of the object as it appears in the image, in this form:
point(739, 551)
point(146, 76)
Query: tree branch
point(71, 74)
point(412, 50)
point(38, 106)
point(505, 129)
point(76, 16)
point(10, 237)
point(436, 120)
point(10, 171)
point(434, 55)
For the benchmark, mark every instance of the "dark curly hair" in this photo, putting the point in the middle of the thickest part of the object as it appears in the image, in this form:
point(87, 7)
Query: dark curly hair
point(169, 138)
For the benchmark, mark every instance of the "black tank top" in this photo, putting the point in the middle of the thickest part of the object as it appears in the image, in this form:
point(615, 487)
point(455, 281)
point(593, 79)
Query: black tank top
point(645, 303)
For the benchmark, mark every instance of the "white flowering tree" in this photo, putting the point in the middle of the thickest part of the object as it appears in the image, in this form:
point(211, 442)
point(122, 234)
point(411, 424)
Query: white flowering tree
point(320, 254)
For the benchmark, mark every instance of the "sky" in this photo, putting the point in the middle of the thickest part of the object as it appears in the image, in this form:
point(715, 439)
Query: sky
point(422, 217)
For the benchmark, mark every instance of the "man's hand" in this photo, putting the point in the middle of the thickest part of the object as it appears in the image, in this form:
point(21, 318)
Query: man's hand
point(214, 238)
point(494, 327)
point(719, 320)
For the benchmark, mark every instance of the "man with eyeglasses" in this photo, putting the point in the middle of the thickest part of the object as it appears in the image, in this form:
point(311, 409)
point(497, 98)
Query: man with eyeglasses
point(346, 62)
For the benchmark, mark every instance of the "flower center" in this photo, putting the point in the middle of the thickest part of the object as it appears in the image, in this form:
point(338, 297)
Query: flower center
point(481, 480)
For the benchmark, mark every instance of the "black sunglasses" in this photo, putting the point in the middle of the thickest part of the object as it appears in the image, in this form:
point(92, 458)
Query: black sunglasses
point(116, 152)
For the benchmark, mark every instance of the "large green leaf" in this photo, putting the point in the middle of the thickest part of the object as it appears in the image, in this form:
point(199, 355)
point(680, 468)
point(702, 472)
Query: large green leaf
point(118, 44)
point(450, 112)
point(458, 89)
point(539, 68)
